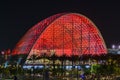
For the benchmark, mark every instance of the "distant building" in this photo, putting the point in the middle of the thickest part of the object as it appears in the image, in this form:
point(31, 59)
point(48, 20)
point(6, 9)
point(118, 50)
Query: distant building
point(114, 51)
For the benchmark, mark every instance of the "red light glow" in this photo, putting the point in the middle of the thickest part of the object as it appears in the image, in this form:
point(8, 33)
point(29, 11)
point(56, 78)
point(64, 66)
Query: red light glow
point(62, 34)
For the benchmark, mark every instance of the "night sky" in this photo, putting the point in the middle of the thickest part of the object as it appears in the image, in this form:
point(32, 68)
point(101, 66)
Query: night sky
point(16, 17)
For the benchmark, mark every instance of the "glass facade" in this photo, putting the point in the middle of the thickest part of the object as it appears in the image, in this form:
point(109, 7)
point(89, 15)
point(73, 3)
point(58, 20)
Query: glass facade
point(62, 34)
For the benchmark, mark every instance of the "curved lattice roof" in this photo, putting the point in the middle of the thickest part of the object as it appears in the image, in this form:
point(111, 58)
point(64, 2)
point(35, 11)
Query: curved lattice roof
point(62, 34)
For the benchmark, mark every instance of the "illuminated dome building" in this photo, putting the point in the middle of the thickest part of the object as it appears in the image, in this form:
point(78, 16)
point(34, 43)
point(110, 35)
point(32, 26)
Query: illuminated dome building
point(64, 34)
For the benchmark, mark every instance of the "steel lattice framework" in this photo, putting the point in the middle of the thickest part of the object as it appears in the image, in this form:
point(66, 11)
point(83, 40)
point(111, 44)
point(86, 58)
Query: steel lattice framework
point(62, 34)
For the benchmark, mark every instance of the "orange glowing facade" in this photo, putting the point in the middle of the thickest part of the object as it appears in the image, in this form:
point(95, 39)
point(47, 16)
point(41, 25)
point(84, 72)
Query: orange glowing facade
point(62, 34)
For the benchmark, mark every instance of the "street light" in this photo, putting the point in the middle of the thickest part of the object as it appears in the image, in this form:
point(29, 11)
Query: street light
point(118, 46)
point(113, 46)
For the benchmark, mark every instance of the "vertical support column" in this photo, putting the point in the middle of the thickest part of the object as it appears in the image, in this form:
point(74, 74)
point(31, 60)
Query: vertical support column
point(81, 39)
point(72, 46)
point(63, 62)
point(89, 37)
point(53, 52)
point(89, 42)
point(80, 56)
